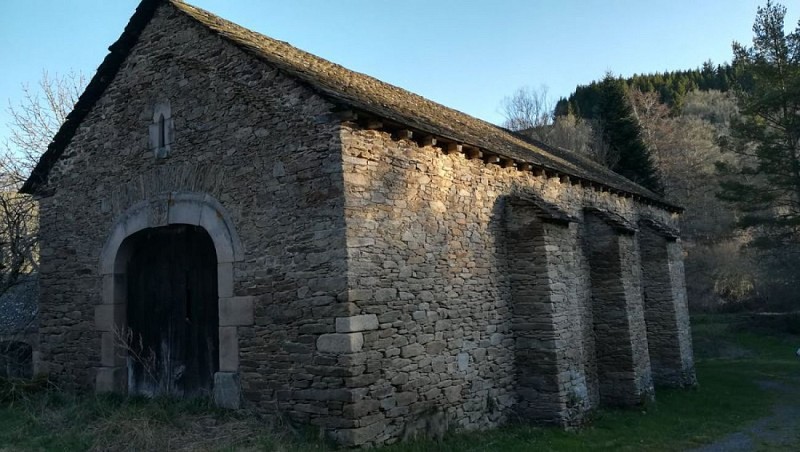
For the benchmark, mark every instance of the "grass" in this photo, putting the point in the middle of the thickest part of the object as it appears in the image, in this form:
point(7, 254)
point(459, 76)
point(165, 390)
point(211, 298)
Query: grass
point(734, 358)
point(54, 421)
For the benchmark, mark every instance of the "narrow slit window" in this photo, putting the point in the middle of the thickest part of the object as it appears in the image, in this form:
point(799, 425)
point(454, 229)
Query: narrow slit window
point(162, 131)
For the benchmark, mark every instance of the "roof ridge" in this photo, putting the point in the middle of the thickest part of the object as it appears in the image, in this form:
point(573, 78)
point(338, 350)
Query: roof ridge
point(386, 100)
point(356, 90)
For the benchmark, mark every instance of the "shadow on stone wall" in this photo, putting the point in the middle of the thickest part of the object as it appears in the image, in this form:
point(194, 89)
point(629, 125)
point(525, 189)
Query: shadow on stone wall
point(19, 309)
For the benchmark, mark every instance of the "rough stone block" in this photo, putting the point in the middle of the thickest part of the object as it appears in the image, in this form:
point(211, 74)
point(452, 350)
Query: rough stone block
point(412, 350)
point(356, 323)
point(453, 394)
point(354, 295)
point(227, 390)
point(340, 343)
point(463, 362)
point(436, 347)
point(385, 295)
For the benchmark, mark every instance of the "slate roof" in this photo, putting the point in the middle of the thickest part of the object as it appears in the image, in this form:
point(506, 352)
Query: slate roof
point(348, 89)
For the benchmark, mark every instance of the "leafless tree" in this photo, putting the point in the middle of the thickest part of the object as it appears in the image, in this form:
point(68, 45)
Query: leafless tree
point(685, 150)
point(34, 122)
point(575, 134)
point(527, 108)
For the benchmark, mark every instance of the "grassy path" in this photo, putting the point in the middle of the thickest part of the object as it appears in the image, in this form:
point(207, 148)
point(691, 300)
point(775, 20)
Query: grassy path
point(778, 431)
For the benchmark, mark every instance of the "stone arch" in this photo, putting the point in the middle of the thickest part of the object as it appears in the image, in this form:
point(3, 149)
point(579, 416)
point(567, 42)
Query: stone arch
point(171, 209)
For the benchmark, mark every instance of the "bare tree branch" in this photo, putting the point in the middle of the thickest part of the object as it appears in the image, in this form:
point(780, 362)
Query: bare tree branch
point(34, 122)
point(527, 108)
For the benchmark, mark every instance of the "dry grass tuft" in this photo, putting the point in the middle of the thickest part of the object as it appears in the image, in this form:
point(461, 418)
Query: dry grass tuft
point(185, 433)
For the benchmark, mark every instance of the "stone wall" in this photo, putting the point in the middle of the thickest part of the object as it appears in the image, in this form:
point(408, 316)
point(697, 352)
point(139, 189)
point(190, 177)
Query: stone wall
point(549, 295)
point(260, 144)
point(429, 255)
point(668, 332)
point(622, 358)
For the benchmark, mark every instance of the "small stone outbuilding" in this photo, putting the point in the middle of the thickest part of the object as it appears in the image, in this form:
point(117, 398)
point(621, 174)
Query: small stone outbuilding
point(223, 214)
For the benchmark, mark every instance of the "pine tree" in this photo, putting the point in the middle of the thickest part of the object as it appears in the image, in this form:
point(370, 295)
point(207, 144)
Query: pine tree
point(766, 186)
point(623, 134)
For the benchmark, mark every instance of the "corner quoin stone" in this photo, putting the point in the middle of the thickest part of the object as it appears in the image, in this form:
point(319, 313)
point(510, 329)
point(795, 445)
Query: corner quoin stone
point(340, 343)
point(357, 323)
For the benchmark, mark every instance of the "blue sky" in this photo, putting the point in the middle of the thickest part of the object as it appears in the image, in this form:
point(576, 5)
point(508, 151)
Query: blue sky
point(465, 54)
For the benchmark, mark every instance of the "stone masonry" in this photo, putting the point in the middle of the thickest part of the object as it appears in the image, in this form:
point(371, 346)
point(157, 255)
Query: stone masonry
point(379, 275)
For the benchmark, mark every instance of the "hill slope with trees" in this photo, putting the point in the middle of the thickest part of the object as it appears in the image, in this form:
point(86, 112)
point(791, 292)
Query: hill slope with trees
point(721, 140)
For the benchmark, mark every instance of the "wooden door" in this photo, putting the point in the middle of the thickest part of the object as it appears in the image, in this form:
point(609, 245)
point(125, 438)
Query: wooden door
point(173, 321)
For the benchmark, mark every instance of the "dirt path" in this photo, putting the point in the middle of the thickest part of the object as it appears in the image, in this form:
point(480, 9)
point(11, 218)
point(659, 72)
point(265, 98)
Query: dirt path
point(780, 430)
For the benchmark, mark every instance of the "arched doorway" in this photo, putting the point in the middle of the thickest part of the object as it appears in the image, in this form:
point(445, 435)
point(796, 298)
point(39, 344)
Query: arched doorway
point(162, 217)
point(172, 311)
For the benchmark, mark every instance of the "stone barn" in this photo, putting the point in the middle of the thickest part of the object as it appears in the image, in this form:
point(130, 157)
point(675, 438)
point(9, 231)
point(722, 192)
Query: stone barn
point(223, 214)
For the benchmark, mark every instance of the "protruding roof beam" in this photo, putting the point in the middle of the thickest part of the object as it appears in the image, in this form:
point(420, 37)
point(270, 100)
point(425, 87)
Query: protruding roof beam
point(490, 158)
point(404, 134)
point(428, 140)
point(373, 124)
point(506, 162)
point(471, 152)
point(346, 115)
point(453, 148)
